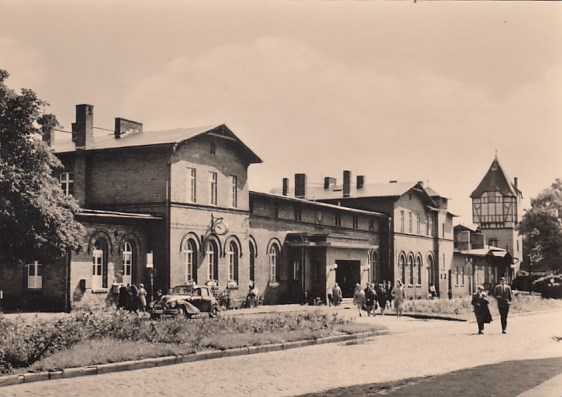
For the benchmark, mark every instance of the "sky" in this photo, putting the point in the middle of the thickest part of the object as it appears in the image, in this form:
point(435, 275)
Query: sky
point(425, 91)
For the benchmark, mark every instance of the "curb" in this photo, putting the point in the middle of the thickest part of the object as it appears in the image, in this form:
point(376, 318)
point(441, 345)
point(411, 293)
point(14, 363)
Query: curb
point(171, 360)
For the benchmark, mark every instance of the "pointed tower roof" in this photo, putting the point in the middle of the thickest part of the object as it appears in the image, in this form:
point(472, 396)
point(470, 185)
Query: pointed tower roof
point(496, 180)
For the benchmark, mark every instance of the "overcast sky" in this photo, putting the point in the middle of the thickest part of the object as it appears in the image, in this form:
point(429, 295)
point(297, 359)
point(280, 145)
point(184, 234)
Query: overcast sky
point(391, 90)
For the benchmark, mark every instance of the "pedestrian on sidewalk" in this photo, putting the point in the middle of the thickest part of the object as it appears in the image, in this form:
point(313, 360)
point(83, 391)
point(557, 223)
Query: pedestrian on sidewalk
point(481, 309)
point(370, 299)
point(398, 295)
point(389, 294)
point(381, 297)
point(359, 298)
point(142, 298)
point(336, 293)
point(503, 296)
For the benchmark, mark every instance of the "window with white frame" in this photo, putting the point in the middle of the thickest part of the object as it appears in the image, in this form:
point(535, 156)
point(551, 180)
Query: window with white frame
point(252, 251)
point(234, 191)
point(410, 222)
point(418, 220)
point(97, 268)
point(191, 185)
point(233, 262)
point(67, 183)
point(402, 266)
point(213, 181)
point(401, 220)
point(273, 257)
point(127, 263)
point(411, 266)
point(419, 265)
point(213, 261)
point(189, 251)
point(34, 275)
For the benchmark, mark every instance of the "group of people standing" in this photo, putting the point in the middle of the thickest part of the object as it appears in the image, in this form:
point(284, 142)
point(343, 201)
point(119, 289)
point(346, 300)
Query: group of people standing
point(132, 298)
point(502, 293)
point(382, 295)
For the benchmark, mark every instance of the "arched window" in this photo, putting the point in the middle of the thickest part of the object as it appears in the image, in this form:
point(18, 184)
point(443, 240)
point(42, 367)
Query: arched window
point(430, 276)
point(233, 261)
point(99, 265)
point(127, 263)
point(213, 261)
point(419, 265)
point(189, 251)
point(252, 262)
point(273, 257)
point(411, 266)
point(402, 265)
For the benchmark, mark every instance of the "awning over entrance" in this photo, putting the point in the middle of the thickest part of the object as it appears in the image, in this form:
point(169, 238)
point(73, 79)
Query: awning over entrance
point(327, 240)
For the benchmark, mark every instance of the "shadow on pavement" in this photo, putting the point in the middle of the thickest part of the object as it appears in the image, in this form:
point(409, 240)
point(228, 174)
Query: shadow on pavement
point(506, 379)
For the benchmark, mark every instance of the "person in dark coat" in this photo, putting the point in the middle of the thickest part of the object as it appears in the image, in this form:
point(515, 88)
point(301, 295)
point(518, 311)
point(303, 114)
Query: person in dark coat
point(382, 297)
point(481, 309)
point(133, 299)
point(370, 299)
point(123, 295)
point(503, 296)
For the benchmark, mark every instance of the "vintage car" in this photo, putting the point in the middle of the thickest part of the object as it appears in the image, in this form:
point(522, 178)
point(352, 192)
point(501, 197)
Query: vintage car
point(188, 300)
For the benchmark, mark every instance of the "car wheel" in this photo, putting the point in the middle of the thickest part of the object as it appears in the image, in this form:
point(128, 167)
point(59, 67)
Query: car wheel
point(214, 312)
point(185, 313)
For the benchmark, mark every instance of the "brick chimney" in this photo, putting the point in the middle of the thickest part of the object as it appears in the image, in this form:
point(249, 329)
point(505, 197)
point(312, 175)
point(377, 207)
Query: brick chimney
point(515, 181)
point(329, 182)
point(300, 185)
point(346, 183)
point(83, 128)
point(285, 186)
point(124, 126)
point(360, 181)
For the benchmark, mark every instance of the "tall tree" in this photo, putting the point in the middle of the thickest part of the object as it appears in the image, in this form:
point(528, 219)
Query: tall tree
point(36, 218)
point(541, 227)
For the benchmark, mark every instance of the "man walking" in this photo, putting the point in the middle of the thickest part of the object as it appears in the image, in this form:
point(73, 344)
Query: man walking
point(503, 296)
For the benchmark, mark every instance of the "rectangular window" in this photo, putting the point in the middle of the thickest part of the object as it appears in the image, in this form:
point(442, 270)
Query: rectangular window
point(443, 228)
point(234, 191)
point(493, 242)
point(67, 183)
point(457, 276)
point(296, 269)
point(191, 185)
point(418, 224)
point(338, 220)
point(401, 221)
point(97, 269)
point(298, 212)
point(34, 276)
point(462, 279)
point(213, 184)
point(410, 222)
point(355, 222)
point(371, 224)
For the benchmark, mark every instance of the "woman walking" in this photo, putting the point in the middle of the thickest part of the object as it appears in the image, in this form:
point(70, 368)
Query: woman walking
point(359, 298)
point(481, 309)
point(398, 294)
point(381, 297)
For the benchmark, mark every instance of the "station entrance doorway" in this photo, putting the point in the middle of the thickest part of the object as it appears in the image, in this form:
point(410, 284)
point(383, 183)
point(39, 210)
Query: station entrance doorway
point(348, 274)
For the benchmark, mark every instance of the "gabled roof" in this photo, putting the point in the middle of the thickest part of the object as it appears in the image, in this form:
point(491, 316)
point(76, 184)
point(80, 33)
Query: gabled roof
point(496, 180)
point(392, 190)
point(146, 138)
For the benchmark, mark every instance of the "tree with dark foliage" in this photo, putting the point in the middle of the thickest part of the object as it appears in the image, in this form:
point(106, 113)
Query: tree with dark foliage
point(541, 227)
point(36, 218)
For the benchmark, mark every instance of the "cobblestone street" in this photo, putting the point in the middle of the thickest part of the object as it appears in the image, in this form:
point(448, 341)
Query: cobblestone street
point(415, 348)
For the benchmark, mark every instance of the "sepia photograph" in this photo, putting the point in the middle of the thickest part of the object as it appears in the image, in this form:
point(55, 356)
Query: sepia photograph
point(314, 198)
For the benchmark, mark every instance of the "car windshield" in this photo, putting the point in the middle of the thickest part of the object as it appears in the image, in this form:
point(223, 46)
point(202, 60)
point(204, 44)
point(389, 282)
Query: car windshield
point(181, 290)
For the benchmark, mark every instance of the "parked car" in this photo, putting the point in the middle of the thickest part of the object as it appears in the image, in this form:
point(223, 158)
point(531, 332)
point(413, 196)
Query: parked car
point(187, 300)
point(549, 286)
point(524, 282)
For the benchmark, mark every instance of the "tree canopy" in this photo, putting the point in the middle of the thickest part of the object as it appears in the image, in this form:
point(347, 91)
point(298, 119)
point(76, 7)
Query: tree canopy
point(541, 227)
point(36, 218)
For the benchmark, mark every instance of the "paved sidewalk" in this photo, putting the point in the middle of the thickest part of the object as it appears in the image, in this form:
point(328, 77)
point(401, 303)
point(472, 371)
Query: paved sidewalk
point(417, 348)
